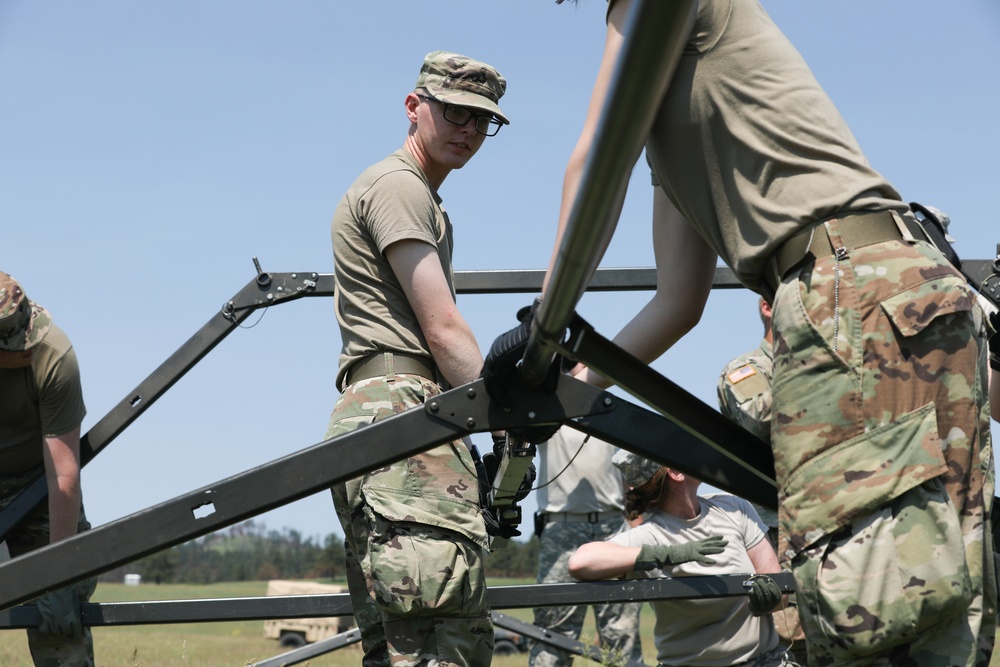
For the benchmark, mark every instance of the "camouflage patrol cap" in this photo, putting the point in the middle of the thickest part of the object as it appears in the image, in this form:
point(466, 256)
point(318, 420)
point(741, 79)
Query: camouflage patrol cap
point(635, 469)
point(458, 79)
point(23, 323)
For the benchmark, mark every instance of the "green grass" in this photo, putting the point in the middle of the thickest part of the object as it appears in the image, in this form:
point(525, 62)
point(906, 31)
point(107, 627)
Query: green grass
point(233, 643)
point(174, 645)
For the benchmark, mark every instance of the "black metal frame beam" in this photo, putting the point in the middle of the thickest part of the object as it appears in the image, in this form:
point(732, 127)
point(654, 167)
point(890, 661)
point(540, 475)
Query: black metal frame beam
point(309, 651)
point(561, 642)
point(312, 606)
point(529, 281)
point(682, 408)
point(164, 612)
point(315, 606)
point(657, 438)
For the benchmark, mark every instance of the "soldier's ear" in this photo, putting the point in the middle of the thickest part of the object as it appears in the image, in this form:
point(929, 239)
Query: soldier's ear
point(765, 308)
point(410, 104)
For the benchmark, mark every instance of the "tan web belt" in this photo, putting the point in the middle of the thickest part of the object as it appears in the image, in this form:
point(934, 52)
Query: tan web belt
point(389, 364)
point(856, 230)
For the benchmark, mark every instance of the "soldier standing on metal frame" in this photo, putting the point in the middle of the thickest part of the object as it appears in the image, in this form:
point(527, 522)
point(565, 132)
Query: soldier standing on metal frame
point(415, 535)
point(880, 423)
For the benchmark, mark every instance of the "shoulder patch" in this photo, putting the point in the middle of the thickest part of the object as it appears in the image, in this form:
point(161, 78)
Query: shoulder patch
point(741, 373)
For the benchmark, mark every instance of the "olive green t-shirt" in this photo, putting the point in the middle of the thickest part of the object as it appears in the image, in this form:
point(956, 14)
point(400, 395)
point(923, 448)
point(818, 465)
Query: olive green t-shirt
point(747, 144)
point(390, 201)
point(42, 400)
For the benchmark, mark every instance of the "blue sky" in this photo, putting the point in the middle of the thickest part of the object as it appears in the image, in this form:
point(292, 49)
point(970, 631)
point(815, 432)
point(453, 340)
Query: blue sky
point(150, 150)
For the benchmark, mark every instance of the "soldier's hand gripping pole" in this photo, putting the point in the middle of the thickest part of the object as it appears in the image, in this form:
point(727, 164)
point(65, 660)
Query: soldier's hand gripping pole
point(511, 474)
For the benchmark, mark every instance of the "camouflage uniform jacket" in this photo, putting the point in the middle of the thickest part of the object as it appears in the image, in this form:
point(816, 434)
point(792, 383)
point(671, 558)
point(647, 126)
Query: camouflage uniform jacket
point(745, 391)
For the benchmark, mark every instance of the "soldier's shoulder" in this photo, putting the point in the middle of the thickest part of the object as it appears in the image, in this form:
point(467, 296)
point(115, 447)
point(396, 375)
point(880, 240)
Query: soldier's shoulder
point(747, 366)
point(745, 377)
point(737, 373)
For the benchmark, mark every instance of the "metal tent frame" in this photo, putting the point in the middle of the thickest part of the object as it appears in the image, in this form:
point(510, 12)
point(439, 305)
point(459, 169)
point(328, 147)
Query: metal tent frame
point(680, 431)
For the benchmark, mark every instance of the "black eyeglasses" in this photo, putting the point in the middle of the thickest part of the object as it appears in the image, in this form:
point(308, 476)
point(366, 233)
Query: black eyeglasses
point(486, 123)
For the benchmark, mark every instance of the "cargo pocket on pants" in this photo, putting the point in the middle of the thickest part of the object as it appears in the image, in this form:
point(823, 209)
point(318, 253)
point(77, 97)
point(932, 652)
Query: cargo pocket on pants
point(419, 569)
point(900, 573)
point(857, 477)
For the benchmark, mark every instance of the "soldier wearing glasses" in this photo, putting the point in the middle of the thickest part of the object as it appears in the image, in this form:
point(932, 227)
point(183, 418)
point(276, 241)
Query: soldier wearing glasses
point(414, 530)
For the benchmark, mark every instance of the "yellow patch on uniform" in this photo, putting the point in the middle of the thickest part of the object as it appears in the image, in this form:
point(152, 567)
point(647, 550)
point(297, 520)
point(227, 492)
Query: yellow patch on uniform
point(742, 373)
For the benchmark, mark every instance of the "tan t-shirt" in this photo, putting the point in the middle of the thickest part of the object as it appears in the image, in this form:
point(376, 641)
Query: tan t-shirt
point(577, 476)
point(42, 400)
point(390, 201)
point(747, 144)
point(712, 631)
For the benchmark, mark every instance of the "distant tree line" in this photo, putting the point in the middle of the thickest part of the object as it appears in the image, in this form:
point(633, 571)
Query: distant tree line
point(245, 552)
point(250, 552)
point(517, 559)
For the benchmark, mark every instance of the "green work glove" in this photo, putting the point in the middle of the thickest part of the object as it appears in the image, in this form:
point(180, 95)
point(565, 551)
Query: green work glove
point(654, 557)
point(764, 594)
point(60, 611)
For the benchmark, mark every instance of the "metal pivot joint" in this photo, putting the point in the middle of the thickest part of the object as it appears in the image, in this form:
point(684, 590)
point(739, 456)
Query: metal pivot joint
point(270, 289)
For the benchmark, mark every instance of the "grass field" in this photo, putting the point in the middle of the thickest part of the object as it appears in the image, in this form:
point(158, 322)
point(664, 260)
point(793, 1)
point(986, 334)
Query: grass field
point(231, 643)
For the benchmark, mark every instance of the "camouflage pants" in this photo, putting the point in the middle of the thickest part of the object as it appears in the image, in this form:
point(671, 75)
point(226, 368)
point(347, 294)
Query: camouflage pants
point(617, 624)
point(414, 537)
point(882, 453)
point(47, 650)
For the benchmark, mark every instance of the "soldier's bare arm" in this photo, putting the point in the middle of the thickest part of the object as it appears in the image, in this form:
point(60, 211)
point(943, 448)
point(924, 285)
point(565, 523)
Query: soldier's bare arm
point(602, 560)
point(62, 470)
point(764, 560)
point(685, 267)
point(452, 343)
